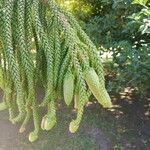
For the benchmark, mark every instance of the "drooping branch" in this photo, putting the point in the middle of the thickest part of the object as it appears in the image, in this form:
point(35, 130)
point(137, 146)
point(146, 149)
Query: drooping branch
point(43, 44)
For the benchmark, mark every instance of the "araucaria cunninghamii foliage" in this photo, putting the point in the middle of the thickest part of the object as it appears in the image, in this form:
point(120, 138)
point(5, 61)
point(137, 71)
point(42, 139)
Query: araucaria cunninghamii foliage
point(39, 41)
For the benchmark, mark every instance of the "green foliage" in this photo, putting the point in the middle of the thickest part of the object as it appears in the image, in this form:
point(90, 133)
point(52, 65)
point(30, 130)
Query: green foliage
point(132, 55)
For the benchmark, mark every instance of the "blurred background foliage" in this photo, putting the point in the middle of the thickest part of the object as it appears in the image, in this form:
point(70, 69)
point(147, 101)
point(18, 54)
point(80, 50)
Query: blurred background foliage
point(121, 31)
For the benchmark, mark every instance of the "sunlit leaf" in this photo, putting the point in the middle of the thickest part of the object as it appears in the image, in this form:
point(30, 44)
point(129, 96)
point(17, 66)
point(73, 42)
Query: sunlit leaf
point(140, 2)
point(146, 11)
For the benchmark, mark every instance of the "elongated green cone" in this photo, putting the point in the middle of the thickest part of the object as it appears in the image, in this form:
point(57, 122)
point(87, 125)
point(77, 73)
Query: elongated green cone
point(1, 78)
point(33, 136)
point(97, 89)
point(49, 122)
point(43, 123)
point(3, 106)
point(25, 122)
point(73, 127)
point(68, 88)
point(105, 99)
point(74, 124)
point(76, 100)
